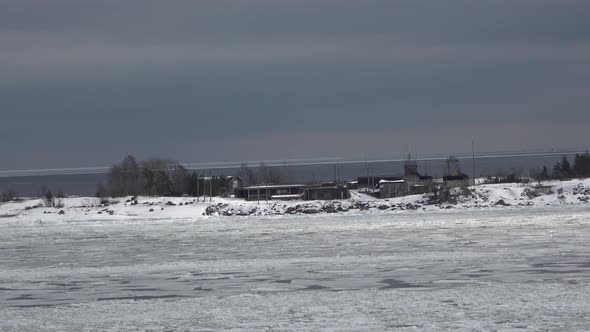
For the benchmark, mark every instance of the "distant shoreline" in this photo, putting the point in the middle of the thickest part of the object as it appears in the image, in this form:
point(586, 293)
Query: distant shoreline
point(559, 193)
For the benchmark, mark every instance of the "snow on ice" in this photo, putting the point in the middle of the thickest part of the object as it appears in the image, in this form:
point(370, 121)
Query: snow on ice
point(476, 266)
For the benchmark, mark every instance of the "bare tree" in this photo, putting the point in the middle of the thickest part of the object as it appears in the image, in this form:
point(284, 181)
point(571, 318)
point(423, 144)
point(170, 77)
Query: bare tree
point(179, 178)
point(101, 190)
point(164, 177)
point(262, 173)
point(116, 186)
point(247, 174)
point(9, 195)
point(275, 175)
point(125, 178)
point(132, 176)
point(47, 197)
point(269, 174)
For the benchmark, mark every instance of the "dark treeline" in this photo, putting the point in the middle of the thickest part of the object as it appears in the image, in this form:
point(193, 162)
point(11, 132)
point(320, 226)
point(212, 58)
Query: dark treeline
point(565, 170)
point(162, 177)
point(561, 170)
point(151, 177)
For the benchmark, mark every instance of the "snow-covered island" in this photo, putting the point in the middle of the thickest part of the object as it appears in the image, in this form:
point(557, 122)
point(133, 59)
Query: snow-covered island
point(551, 193)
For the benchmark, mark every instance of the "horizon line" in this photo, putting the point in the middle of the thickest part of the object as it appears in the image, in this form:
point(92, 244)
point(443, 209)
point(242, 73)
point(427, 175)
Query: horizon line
point(298, 162)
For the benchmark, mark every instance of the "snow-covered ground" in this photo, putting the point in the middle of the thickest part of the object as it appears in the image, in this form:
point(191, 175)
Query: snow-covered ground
point(553, 193)
point(498, 268)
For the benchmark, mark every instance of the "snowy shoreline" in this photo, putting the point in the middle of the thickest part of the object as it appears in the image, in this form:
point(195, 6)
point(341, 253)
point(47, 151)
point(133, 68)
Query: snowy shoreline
point(553, 193)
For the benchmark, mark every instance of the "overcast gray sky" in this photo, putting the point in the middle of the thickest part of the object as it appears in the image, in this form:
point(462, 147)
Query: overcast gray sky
point(83, 83)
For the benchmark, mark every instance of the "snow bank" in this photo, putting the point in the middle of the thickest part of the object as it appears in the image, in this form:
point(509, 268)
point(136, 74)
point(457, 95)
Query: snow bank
point(553, 193)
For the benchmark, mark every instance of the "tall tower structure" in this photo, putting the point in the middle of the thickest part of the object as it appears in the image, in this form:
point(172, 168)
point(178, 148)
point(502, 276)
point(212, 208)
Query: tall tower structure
point(453, 167)
point(410, 167)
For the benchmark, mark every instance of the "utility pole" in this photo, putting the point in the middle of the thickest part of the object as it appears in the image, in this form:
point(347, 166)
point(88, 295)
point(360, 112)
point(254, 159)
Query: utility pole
point(197, 172)
point(335, 176)
point(368, 177)
point(266, 183)
point(373, 179)
point(210, 185)
point(204, 186)
point(473, 160)
point(366, 171)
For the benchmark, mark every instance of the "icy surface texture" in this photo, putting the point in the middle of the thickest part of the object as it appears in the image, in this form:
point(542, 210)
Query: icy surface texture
point(494, 269)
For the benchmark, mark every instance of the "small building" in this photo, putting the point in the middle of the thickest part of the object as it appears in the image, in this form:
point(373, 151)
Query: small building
point(233, 183)
point(416, 184)
point(421, 185)
point(270, 191)
point(325, 193)
point(369, 181)
point(223, 186)
point(352, 185)
point(230, 185)
point(456, 181)
point(454, 177)
point(292, 192)
point(389, 189)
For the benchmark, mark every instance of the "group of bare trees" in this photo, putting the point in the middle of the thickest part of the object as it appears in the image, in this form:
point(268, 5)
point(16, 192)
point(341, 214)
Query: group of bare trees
point(262, 174)
point(150, 177)
point(51, 199)
point(162, 177)
point(8, 195)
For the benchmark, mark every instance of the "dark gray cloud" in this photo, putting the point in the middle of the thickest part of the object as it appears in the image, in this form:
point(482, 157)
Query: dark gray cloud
point(84, 82)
